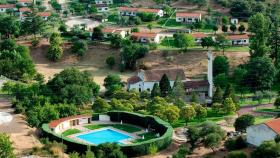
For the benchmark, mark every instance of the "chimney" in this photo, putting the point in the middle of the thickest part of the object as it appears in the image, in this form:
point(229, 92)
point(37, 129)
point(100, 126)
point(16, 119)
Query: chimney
point(210, 73)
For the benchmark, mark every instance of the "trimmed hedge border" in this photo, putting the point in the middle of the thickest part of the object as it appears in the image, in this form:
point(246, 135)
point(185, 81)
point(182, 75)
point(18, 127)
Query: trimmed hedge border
point(136, 149)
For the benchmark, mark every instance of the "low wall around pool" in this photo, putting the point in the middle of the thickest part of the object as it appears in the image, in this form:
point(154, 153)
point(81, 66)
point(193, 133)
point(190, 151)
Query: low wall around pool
point(131, 150)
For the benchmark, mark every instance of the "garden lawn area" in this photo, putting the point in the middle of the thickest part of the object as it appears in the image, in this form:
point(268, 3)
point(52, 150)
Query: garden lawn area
point(211, 116)
point(147, 136)
point(263, 118)
point(170, 23)
point(126, 128)
point(70, 132)
point(246, 102)
point(274, 110)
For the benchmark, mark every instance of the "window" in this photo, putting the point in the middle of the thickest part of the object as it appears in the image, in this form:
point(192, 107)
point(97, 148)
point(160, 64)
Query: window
point(245, 40)
point(106, 8)
point(139, 89)
point(148, 89)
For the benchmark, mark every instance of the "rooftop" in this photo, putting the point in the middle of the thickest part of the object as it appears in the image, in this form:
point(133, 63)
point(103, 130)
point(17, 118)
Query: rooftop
point(196, 84)
point(184, 14)
point(139, 9)
point(198, 35)
point(144, 34)
point(155, 75)
point(25, 1)
point(133, 79)
point(274, 125)
point(44, 14)
point(7, 6)
point(235, 37)
point(24, 9)
point(55, 123)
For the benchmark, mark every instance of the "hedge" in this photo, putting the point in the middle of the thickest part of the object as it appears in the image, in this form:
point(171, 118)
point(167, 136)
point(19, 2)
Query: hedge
point(131, 150)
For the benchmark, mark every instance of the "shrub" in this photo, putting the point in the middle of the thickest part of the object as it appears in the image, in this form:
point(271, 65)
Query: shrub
point(79, 48)
point(235, 143)
point(153, 46)
point(230, 144)
point(34, 42)
point(110, 61)
point(182, 152)
point(152, 150)
point(236, 154)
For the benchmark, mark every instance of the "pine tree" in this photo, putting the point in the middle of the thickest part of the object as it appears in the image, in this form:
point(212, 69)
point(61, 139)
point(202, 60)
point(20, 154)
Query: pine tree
point(178, 89)
point(229, 106)
point(218, 96)
point(229, 92)
point(155, 91)
point(164, 85)
point(274, 42)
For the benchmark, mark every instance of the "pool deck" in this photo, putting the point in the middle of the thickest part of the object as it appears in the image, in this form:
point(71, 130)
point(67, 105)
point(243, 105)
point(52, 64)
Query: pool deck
point(87, 131)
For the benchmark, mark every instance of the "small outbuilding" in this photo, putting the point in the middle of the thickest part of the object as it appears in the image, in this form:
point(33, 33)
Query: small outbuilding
point(267, 131)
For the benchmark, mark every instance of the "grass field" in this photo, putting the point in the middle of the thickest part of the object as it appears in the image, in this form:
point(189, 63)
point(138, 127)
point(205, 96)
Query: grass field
point(246, 102)
point(127, 128)
point(273, 110)
point(70, 132)
point(262, 118)
point(147, 136)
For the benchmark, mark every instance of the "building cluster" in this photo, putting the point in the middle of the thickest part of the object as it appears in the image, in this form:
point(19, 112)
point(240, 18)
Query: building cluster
point(21, 8)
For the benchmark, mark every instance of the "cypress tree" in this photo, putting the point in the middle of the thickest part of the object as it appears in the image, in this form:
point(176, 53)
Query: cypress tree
point(229, 92)
point(155, 91)
point(164, 85)
point(218, 96)
point(178, 90)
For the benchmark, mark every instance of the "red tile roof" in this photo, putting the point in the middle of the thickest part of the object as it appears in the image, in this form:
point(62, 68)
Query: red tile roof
point(139, 9)
point(44, 14)
point(199, 35)
point(188, 14)
point(55, 123)
point(25, 1)
point(196, 84)
point(108, 30)
point(133, 79)
point(236, 37)
point(155, 75)
point(274, 125)
point(7, 6)
point(144, 34)
point(24, 9)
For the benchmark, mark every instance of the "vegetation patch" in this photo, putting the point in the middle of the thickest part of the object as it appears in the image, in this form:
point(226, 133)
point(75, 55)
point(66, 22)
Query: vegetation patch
point(70, 132)
point(147, 136)
point(127, 128)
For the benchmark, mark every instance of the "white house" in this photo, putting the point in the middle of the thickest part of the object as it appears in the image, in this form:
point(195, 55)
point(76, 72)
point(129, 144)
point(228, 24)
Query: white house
point(44, 15)
point(25, 2)
point(242, 39)
point(5, 7)
point(102, 7)
point(109, 31)
point(103, 1)
point(65, 123)
point(146, 79)
point(267, 131)
point(128, 11)
point(23, 11)
point(188, 17)
point(146, 37)
point(234, 21)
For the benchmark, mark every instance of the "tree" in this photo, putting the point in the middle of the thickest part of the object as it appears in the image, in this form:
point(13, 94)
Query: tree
point(229, 106)
point(277, 103)
point(215, 28)
point(258, 26)
point(236, 154)
point(230, 93)
point(260, 73)
point(109, 150)
point(187, 113)
point(222, 42)
point(225, 20)
point(111, 82)
point(268, 149)
point(244, 121)
point(225, 28)
point(274, 43)
point(218, 95)
point(6, 150)
point(233, 28)
point(100, 106)
point(55, 50)
point(183, 41)
point(241, 28)
point(79, 48)
point(201, 112)
point(155, 91)
point(150, 27)
point(34, 25)
point(207, 42)
point(9, 25)
point(89, 154)
point(221, 80)
point(178, 90)
point(240, 8)
point(220, 65)
point(72, 86)
point(97, 33)
point(164, 85)
point(116, 40)
point(217, 107)
point(238, 78)
point(212, 141)
point(110, 61)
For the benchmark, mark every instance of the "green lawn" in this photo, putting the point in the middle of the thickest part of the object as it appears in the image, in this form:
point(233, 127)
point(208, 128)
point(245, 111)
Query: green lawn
point(127, 128)
point(263, 118)
point(246, 102)
point(268, 110)
point(211, 116)
point(147, 136)
point(70, 132)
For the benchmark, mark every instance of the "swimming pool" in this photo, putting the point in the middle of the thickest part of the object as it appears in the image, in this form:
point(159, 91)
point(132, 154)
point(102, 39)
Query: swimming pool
point(104, 136)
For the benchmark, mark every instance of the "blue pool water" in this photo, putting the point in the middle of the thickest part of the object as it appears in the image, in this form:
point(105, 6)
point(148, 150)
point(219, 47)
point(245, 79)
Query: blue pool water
point(104, 136)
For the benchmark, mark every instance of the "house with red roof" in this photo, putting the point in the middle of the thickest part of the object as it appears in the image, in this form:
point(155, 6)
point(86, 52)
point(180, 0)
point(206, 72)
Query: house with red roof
point(102, 7)
point(25, 2)
point(5, 7)
point(107, 32)
point(266, 131)
point(198, 37)
point(23, 10)
point(184, 17)
point(128, 11)
point(146, 37)
point(240, 39)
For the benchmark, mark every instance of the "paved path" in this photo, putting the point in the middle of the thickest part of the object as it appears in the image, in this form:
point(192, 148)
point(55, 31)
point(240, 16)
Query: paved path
point(251, 109)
